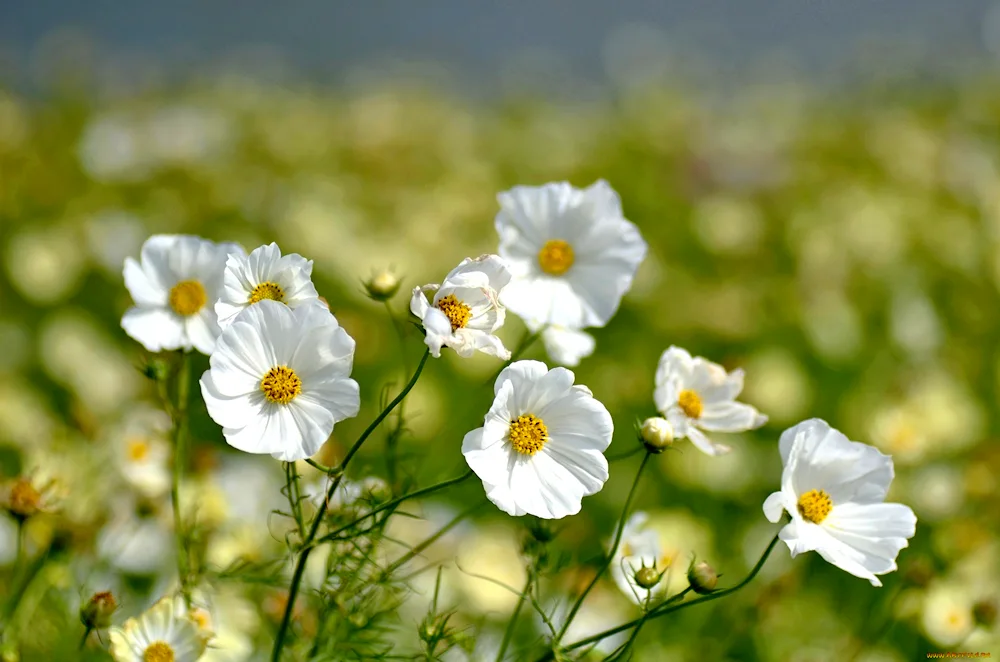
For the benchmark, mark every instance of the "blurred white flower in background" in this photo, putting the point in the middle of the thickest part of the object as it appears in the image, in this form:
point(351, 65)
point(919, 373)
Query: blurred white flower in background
point(465, 311)
point(564, 345)
point(639, 548)
point(142, 451)
point(175, 285)
point(572, 254)
point(695, 394)
point(834, 489)
point(541, 449)
point(280, 379)
point(264, 274)
point(135, 541)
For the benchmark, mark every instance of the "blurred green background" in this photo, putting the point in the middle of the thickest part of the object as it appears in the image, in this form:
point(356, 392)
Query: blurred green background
point(842, 245)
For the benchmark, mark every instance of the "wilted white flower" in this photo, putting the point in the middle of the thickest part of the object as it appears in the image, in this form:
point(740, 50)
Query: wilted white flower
point(280, 379)
point(174, 286)
point(564, 345)
point(158, 635)
point(541, 448)
point(696, 394)
point(572, 254)
point(264, 274)
point(834, 489)
point(465, 313)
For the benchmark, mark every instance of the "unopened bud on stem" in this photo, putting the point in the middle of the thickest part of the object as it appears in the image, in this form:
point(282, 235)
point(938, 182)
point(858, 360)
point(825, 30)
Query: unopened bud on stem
point(657, 434)
point(383, 285)
point(96, 613)
point(702, 577)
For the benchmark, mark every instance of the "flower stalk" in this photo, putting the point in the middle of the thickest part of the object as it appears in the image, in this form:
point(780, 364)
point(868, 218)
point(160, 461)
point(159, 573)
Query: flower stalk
point(179, 413)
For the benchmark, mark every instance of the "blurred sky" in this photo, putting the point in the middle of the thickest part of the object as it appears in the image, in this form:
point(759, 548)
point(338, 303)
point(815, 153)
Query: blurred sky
point(479, 43)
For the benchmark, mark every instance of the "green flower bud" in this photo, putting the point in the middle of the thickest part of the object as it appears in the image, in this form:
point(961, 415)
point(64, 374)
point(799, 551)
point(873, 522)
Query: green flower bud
point(383, 285)
point(647, 577)
point(702, 577)
point(96, 613)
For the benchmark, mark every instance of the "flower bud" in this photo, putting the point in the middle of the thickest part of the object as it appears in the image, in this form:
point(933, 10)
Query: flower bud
point(96, 613)
point(383, 285)
point(657, 434)
point(647, 577)
point(156, 369)
point(702, 577)
point(985, 612)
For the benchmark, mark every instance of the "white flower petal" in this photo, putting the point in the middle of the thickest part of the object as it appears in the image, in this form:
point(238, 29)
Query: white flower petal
point(567, 346)
point(157, 329)
point(146, 291)
point(703, 443)
point(730, 417)
point(774, 505)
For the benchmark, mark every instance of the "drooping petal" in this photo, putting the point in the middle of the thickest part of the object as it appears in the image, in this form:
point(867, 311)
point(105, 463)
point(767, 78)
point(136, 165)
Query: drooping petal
point(703, 443)
point(157, 329)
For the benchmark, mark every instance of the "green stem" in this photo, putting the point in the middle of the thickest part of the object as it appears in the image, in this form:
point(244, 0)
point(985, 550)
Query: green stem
point(395, 502)
point(610, 555)
point(300, 566)
point(417, 549)
point(180, 439)
point(392, 439)
point(86, 635)
point(294, 496)
point(668, 607)
point(509, 633)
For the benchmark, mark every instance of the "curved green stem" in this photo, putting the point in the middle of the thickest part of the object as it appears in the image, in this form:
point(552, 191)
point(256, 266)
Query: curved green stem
point(669, 607)
point(180, 412)
point(417, 549)
point(300, 566)
point(611, 553)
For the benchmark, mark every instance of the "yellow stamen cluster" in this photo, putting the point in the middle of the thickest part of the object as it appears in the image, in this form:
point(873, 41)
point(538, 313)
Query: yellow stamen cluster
point(138, 449)
point(528, 434)
point(158, 651)
point(457, 312)
point(690, 403)
point(24, 500)
point(267, 290)
point(815, 505)
point(187, 297)
point(281, 385)
point(556, 257)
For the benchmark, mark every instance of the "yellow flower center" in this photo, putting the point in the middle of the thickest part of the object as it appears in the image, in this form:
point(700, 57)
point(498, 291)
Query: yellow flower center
point(528, 434)
point(158, 651)
point(457, 312)
point(188, 297)
point(815, 505)
point(556, 257)
point(690, 403)
point(281, 385)
point(138, 449)
point(267, 290)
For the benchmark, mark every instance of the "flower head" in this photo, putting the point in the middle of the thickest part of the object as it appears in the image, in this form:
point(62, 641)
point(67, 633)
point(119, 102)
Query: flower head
point(174, 285)
point(143, 454)
point(158, 635)
point(834, 489)
point(264, 274)
point(697, 395)
point(97, 611)
point(464, 312)
point(23, 497)
point(541, 448)
point(280, 379)
point(383, 285)
point(571, 252)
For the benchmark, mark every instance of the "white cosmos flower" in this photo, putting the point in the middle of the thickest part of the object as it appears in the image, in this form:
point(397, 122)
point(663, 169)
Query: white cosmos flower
point(640, 547)
point(464, 313)
point(834, 489)
point(158, 635)
point(174, 285)
point(264, 274)
point(571, 253)
point(541, 448)
point(280, 379)
point(564, 345)
point(697, 395)
point(143, 454)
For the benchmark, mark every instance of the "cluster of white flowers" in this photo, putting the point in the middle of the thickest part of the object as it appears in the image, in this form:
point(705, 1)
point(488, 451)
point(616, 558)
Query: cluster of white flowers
point(280, 377)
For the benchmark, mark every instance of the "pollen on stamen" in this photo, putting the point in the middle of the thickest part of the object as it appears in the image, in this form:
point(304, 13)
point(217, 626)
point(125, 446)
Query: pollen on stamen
point(528, 434)
point(814, 506)
point(267, 290)
point(281, 385)
point(158, 651)
point(457, 312)
point(690, 403)
point(556, 257)
point(187, 297)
